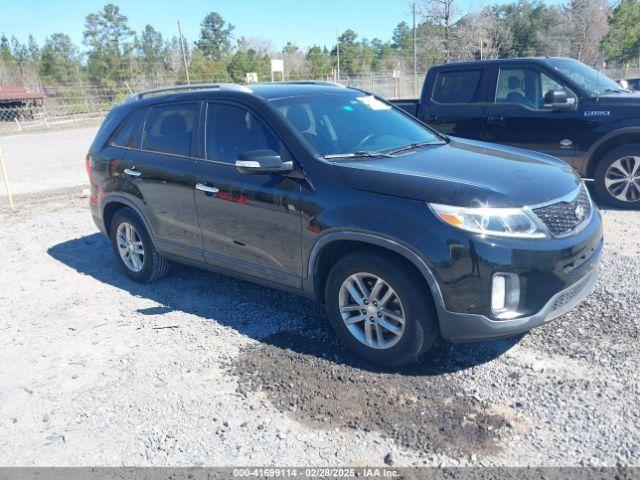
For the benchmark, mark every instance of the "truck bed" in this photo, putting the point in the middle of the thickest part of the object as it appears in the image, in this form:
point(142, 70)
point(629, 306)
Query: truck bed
point(408, 105)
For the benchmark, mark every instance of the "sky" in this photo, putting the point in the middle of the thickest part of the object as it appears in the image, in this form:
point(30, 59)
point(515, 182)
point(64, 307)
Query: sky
point(304, 22)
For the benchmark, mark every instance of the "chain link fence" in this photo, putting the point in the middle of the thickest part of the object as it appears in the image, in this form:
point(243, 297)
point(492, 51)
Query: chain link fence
point(80, 103)
point(68, 104)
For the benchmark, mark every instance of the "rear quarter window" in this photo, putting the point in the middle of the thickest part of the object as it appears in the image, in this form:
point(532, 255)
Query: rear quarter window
point(458, 86)
point(126, 135)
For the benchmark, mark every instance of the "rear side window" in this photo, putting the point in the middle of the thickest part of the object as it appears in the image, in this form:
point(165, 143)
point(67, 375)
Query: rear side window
point(125, 136)
point(233, 130)
point(170, 129)
point(456, 87)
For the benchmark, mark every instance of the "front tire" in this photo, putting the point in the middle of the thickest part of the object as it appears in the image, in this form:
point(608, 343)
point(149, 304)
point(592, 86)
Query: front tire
point(617, 177)
point(380, 309)
point(133, 248)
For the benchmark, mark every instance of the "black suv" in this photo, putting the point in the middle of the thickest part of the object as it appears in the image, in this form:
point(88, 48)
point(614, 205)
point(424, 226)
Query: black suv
point(556, 106)
point(403, 233)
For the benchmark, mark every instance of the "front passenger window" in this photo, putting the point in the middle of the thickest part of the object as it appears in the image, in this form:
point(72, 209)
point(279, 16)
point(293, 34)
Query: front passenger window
point(526, 87)
point(233, 130)
point(517, 85)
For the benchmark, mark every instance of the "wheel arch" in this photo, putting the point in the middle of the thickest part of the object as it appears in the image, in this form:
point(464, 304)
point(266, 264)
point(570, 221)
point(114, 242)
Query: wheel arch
point(336, 244)
point(613, 140)
point(114, 203)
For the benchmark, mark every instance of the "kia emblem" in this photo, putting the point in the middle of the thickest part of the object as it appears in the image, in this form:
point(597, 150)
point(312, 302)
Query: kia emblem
point(580, 212)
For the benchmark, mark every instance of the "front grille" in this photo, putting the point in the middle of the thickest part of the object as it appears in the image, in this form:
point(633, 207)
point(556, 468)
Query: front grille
point(563, 217)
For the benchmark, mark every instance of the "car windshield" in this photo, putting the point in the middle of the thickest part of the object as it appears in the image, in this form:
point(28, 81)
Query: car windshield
point(353, 124)
point(594, 82)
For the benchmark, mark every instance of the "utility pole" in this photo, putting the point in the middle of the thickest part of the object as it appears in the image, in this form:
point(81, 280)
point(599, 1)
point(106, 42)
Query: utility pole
point(415, 54)
point(184, 56)
point(338, 52)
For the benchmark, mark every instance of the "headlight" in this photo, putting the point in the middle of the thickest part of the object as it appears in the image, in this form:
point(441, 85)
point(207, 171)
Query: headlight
point(502, 222)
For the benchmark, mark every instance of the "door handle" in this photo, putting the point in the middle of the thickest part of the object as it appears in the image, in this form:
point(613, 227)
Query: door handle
point(132, 172)
point(433, 118)
point(206, 188)
point(496, 120)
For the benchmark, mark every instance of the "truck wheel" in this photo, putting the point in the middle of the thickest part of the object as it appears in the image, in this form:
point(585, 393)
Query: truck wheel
point(617, 177)
point(134, 249)
point(380, 309)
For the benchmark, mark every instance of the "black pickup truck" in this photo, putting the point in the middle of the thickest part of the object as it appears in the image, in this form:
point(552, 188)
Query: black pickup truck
point(556, 106)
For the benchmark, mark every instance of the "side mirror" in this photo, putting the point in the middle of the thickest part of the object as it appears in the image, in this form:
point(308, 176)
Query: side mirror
point(558, 100)
point(262, 161)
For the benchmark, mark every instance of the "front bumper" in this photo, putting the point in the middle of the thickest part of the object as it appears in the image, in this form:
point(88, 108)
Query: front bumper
point(465, 327)
point(554, 276)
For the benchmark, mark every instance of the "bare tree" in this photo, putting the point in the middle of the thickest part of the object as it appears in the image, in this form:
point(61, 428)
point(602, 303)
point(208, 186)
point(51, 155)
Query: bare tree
point(587, 25)
point(441, 12)
point(479, 35)
point(262, 46)
point(495, 36)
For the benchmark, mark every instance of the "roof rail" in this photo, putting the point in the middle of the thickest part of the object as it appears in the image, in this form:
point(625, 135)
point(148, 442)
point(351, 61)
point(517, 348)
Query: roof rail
point(185, 88)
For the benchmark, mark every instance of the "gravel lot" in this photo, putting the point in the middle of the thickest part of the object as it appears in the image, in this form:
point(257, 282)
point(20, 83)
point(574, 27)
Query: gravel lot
point(200, 369)
point(46, 160)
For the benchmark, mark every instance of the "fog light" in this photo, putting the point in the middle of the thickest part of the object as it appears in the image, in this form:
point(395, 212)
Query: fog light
point(505, 293)
point(498, 293)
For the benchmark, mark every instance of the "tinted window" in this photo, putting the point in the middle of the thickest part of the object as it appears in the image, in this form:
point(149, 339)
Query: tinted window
point(525, 86)
point(169, 129)
point(233, 130)
point(125, 136)
point(349, 121)
point(456, 87)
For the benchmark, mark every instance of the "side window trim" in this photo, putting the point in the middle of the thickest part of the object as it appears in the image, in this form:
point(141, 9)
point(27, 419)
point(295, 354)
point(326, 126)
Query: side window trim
point(284, 151)
point(193, 153)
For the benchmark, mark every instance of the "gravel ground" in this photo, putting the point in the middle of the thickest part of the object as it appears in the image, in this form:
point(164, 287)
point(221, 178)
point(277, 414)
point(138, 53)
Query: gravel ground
point(46, 160)
point(200, 369)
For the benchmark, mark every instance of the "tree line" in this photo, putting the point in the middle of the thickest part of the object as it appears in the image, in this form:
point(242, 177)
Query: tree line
point(113, 53)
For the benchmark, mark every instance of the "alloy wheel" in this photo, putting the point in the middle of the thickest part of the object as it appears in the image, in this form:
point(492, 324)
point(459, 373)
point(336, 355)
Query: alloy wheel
point(622, 179)
point(130, 247)
point(371, 310)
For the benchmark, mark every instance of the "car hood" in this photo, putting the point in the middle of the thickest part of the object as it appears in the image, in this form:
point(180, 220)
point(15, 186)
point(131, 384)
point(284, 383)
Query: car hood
point(632, 99)
point(464, 173)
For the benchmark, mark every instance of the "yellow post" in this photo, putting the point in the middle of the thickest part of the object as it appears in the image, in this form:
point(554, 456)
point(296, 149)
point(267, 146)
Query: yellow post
point(6, 181)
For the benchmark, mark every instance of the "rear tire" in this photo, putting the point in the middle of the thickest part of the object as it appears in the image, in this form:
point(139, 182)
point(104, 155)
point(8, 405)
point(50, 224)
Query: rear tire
point(133, 248)
point(407, 297)
point(617, 177)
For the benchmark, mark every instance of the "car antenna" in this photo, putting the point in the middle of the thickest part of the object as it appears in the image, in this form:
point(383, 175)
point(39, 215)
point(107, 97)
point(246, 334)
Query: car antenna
point(598, 79)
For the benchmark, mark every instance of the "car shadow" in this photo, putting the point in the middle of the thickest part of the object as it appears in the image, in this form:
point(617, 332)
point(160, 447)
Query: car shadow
point(272, 317)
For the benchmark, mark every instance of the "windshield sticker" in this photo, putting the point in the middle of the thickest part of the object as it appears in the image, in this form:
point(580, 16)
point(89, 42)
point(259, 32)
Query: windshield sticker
point(373, 103)
point(348, 108)
point(597, 113)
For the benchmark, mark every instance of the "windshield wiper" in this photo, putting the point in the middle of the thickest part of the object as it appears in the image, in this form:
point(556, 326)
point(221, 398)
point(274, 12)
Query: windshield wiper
point(413, 146)
point(361, 154)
